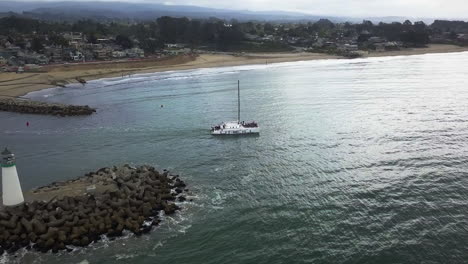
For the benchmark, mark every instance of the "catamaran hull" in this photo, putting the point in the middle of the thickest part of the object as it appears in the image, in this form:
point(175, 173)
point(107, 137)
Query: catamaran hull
point(237, 131)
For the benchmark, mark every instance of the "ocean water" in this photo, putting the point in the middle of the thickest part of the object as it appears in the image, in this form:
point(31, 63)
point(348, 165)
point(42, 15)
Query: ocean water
point(358, 161)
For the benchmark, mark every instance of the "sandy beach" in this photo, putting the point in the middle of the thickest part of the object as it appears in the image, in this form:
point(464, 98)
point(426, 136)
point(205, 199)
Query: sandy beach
point(15, 85)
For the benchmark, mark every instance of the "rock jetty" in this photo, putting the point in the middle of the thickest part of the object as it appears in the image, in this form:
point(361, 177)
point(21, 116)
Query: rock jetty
point(79, 212)
point(80, 80)
point(35, 107)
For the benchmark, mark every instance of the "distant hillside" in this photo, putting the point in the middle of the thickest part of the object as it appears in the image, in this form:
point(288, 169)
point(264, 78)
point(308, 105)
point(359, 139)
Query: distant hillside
point(135, 11)
point(102, 11)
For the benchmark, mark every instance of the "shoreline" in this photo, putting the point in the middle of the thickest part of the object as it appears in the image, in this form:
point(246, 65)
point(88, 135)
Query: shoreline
point(18, 85)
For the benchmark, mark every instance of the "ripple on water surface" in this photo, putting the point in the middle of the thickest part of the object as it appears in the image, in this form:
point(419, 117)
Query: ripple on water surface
point(359, 161)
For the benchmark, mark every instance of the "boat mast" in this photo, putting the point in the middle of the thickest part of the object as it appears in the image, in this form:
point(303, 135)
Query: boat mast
point(238, 101)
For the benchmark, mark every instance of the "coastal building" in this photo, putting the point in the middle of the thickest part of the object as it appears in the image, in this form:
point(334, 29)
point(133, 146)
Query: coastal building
point(319, 43)
point(174, 45)
point(267, 38)
point(462, 38)
point(11, 187)
point(13, 50)
point(330, 44)
point(251, 37)
point(118, 54)
point(442, 38)
point(173, 52)
point(76, 56)
point(3, 61)
point(104, 40)
point(14, 61)
point(347, 47)
point(135, 53)
point(75, 39)
point(88, 54)
point(54, 53)
point(102, 54)
point(33, 58)
point(393, 45)
point(387, 46)
point(374, 40)
point(380, 47)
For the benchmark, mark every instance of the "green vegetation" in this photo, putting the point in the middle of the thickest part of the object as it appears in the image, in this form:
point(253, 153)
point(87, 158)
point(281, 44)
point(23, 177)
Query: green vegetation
point(248, 46)
point(221, 35)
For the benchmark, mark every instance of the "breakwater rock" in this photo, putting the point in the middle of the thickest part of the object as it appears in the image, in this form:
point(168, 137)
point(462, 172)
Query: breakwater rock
point(35, 107)
point(79, 212)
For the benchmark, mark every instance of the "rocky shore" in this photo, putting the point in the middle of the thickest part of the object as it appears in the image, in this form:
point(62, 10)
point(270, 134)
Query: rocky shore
point(35, 107)
point(79, 212)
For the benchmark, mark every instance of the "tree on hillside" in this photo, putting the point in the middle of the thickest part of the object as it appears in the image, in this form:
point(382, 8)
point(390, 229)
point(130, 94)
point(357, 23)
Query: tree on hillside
point(229, 36)
point(37, 44)
point(268, 28)
point(209, 32)
point(407, 23)
point(171, 29)
point(416, 38)
point(151, 45)
point(390, 31)
point(92, 38)
point(192, 34)
point(420, 26)
point(58, 40)
point(124, 41)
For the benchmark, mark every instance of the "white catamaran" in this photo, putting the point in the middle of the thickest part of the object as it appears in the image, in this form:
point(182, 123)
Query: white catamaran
point(236, 127)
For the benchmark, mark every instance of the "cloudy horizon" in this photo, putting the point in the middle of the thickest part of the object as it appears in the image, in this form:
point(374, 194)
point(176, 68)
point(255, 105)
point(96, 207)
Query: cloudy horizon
point(408, 8)
point(450, 9)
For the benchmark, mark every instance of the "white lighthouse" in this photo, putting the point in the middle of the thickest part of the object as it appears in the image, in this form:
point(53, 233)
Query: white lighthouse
point(11, 187)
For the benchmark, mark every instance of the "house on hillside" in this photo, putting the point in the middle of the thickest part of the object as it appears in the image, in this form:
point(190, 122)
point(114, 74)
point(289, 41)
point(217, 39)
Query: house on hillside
point(3, 40)
point(75, 39)
point(14, 61)
point(6, 54)
point(174, 46)
point(135, 53)
point(118, 54)
point(267, 38)
point(251, 37)
point(462, 38)
point(393, 45)
point(76, 56)
point(40, 59)
point(330, 44)
point(32, 58)
point(375, 40)
point(3, 61)
point(104, 40)
point(54, 53)
point(347, 47)
point(88, 54)
point(13, 49)
point(387, 46)
point(442, 38)
point(176, 51)
point(319, 43)
point(102, 53)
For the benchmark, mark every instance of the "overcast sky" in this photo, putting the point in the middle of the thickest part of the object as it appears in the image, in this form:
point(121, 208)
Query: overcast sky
point(451, 9)
point(409, 8)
